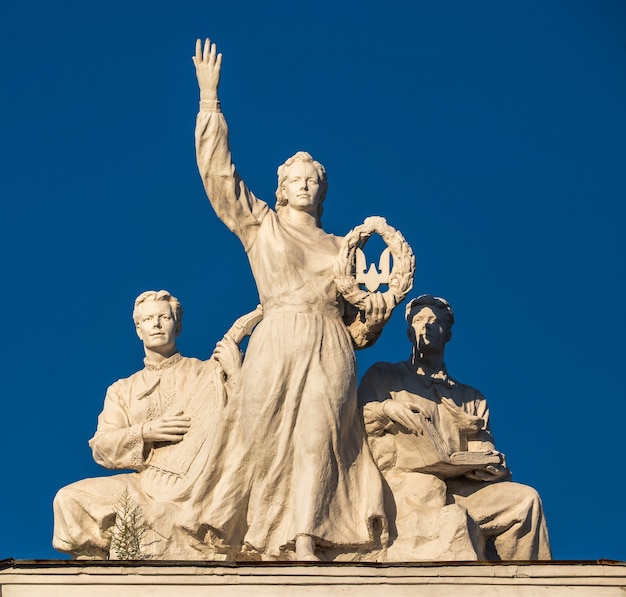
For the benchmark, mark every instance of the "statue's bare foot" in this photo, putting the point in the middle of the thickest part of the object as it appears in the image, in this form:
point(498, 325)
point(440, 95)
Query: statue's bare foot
point(305, 549)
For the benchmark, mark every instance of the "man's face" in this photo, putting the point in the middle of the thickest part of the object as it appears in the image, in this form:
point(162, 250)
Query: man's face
point(302, 187)
point(429, 329)
point(157, 328)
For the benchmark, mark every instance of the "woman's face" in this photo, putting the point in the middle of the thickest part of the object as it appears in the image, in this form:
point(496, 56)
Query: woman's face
point(302, 187)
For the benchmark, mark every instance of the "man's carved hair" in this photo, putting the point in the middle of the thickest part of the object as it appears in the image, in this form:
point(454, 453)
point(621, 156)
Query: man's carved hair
point(157, 295)
point(302, 157)
point(428, 300)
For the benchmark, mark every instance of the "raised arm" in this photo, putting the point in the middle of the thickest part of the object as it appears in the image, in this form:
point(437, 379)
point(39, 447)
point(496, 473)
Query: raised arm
point(232, 201)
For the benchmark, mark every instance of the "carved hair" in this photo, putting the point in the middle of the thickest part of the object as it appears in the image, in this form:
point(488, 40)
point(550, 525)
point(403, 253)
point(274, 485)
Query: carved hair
point(415, 305)
point(306, 158)
point(160, 295)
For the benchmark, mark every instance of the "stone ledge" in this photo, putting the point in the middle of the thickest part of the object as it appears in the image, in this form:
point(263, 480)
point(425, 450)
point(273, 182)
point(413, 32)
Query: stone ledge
point(72, 578)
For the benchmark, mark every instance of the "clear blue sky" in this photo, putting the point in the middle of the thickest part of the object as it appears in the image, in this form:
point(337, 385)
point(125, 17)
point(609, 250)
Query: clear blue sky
point(493, 134)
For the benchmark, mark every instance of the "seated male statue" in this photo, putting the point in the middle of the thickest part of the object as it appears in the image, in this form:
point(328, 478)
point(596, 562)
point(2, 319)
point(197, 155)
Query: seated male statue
point(161, 422)
point(449, 491)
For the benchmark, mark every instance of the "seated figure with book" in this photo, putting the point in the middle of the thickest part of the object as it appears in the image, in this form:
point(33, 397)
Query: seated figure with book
point(449, 491)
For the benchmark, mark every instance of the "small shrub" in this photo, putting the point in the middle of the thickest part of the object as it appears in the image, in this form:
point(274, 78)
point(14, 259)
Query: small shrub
point(126, 537)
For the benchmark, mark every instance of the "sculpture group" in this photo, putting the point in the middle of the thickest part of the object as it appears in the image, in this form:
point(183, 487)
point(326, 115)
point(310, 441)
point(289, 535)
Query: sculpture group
point(273, 455)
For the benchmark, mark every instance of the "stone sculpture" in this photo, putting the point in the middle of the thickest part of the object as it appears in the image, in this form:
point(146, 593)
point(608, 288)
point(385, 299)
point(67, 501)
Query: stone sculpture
point(163, 422)
point(450, 495)
point(306, 479)
point(268, 456)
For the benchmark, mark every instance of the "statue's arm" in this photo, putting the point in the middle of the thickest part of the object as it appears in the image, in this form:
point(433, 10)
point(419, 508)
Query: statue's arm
point(231, 199)
point(117, 444)
point(380, 411)
point(372, 396)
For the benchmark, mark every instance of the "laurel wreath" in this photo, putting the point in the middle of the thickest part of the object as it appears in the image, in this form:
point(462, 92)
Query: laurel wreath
point(402, 273)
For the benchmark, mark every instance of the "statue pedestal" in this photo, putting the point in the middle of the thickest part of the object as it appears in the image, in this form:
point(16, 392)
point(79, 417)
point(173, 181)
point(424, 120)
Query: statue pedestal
point(72, 578)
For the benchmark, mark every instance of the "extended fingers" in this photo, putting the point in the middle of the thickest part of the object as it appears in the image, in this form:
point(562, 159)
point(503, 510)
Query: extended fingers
point(403, 415)
point(169, 429)
point(206, 54)
point(176, 425)
point(410, 424)
point(176, 419)
point(207, 49)
point(174, 429)
point(172, 424)
point(165, 437)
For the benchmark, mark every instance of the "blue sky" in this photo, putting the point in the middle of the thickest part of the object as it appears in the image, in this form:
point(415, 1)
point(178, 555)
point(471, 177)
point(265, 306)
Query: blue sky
point(492, 134)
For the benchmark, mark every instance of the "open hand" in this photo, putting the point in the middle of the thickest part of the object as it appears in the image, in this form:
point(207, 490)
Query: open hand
point(404, 415)
point(467, 424)
point(166, 429)
point(208, 66)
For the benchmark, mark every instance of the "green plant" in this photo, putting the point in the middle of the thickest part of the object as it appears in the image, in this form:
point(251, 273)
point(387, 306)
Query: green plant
point(129, 531)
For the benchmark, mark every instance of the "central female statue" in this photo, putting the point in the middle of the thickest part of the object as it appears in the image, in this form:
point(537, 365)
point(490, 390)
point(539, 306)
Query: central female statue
point(308, 476)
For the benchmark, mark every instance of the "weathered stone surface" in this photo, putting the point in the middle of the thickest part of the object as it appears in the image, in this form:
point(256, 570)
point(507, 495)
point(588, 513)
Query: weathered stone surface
point(268, 457)
point(77, 579)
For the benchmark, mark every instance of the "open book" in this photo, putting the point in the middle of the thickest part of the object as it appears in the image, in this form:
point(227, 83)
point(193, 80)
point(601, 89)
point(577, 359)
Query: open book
point(429, 453)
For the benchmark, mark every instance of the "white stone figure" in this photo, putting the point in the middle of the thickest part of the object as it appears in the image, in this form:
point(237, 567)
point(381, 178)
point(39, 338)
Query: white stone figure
point(161, 422)
point(451, 497)
point(306, 479)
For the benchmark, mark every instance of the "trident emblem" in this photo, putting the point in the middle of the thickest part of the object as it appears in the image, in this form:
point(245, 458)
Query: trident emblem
point(352, 271)
point(373, 278)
